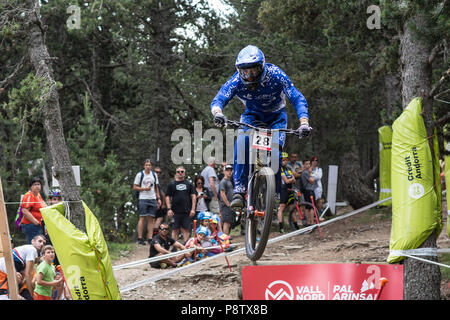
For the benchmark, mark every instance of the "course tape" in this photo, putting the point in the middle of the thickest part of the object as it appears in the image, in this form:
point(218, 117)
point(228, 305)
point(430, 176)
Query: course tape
point(242, 250)
point(429, 252)
point(160, 257)
point(425, 260)
point(270, 241)
point(167, 274)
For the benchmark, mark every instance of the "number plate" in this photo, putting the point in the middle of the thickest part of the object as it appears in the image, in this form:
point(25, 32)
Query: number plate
point(262, 140)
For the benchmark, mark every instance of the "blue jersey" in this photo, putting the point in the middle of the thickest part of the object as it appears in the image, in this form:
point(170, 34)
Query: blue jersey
point(268, 99)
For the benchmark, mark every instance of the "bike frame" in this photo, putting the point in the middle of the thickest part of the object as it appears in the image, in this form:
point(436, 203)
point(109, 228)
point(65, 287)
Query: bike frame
point(260, 171)
point(256, 157)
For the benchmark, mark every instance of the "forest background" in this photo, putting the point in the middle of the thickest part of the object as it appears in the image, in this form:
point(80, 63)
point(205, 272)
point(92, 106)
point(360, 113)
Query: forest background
point(133, 71)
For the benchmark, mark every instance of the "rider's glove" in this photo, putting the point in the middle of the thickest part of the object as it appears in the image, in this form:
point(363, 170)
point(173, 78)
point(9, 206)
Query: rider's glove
point(220, 119)
point(304, 129)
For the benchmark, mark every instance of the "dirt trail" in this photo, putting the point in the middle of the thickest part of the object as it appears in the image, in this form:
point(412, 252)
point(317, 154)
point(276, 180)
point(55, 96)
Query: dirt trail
point(360, 238)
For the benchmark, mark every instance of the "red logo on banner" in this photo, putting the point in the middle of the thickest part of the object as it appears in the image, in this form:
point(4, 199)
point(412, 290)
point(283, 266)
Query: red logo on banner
point(344, 281)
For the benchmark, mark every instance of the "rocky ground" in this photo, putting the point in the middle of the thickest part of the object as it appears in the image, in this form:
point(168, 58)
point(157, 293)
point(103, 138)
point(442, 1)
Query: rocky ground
point(361, 238)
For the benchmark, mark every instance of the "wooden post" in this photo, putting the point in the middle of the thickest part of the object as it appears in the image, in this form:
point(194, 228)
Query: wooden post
point(6, 248)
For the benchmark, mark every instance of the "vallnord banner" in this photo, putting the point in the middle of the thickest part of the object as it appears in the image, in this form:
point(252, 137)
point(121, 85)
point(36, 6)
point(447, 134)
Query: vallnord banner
point(341, 281)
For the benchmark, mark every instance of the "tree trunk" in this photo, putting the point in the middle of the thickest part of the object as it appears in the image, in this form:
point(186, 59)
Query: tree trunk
point(392, 85)
point(62, 168)
point(355, 188)
point(421, 280)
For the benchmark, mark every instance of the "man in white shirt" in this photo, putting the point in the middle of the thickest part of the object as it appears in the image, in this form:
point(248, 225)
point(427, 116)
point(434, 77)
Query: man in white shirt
point(24, 257)
point(146, 184)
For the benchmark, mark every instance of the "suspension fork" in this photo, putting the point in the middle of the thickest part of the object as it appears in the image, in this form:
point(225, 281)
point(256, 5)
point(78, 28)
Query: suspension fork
point(250, 209)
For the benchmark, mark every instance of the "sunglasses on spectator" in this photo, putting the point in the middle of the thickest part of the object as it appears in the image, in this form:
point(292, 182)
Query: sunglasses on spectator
point(180, 171)
point(164, 229)
point(158, 171)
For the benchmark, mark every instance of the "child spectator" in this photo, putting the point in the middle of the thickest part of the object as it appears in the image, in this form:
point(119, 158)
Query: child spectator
point(320, 208)
point(214, 226)
point(46, 275)
point(204, 218)
point(196, 242)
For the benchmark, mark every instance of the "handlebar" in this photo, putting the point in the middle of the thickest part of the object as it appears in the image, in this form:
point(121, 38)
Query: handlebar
point(233, 123)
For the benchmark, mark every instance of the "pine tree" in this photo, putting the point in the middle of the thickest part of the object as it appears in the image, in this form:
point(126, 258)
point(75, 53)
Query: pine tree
point(103, 187)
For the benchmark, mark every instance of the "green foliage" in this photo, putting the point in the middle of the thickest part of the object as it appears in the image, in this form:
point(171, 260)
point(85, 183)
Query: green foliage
point(136, 70)
point(102, 186)
point(20, 143)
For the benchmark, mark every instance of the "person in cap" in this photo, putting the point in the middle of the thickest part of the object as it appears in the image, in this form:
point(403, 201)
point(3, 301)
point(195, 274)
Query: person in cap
point(226, 196)
point(212, 184)
point(161, 244)
point(201, 235)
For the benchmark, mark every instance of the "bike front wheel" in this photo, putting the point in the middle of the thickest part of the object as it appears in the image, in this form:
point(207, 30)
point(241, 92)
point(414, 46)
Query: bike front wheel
point(258, 223)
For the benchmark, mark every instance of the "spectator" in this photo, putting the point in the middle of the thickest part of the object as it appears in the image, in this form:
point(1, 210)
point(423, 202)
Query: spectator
point(320, 208)
point(46, 277)
point(295, 166)
point(226, 195)
point(215, 226)
point(222, 171)
point(181, 203)
point(161, 213)
point(54, 197)
point(308, 183)
point(197, 241)
point(146, 184)
point(286, 194)
point(24, 258)
point(317, 174)
point(204, 220)
point(212, 183)
point(203, 195)
point(31, 203)
point(161, 244)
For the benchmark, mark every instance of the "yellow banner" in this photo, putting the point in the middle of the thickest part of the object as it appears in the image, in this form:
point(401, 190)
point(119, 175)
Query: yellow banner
point(447, 172)
point(416, 207)
point(385, 138)
point(83, 256)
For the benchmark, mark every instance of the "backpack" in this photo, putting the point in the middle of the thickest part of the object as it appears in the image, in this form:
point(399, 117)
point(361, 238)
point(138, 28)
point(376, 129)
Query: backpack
point(136, 193)
point(19, 215)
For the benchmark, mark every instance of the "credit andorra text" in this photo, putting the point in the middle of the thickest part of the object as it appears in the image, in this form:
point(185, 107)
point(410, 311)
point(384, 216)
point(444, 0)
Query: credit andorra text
point(413, 165)
point(236, 309)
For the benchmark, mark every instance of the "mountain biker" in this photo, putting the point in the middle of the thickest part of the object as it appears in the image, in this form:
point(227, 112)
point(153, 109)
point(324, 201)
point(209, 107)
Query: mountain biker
point(262, 87)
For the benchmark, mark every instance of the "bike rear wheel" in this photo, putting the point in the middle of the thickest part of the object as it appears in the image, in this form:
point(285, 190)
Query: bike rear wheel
point(257, 227)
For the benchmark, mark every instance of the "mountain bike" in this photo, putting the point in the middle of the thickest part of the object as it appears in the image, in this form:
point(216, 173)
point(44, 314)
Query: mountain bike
point(300, 205)
point(260, 200)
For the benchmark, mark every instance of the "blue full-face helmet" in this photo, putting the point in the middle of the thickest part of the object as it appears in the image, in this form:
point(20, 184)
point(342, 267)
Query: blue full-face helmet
point(251, 65)
point(54, 193)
